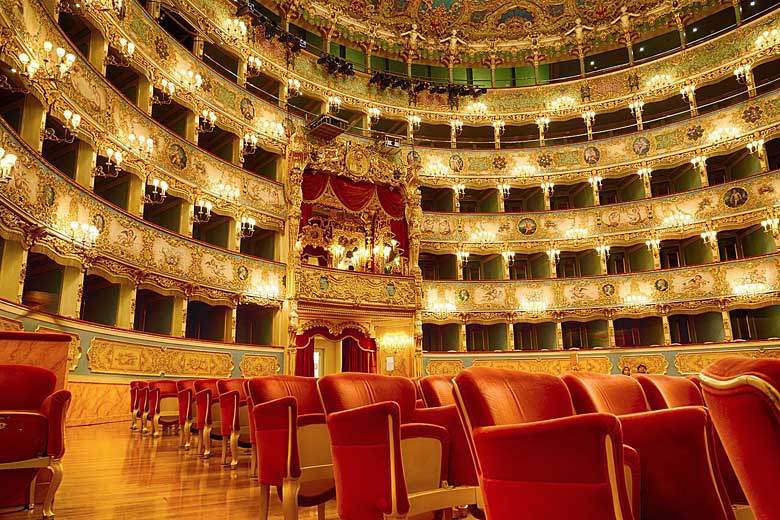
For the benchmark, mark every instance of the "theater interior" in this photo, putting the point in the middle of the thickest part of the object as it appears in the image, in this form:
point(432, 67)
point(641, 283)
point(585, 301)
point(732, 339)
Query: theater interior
point(389, 260)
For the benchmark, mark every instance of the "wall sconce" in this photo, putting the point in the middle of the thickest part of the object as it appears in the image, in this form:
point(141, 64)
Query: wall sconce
point(207, 121)
point(374, 115)
point(576, 233)
point(659, 81)
point(542, 122)
point(756, 146)
point(636, 106)
point(334, 104)
point(29, 66)
point(700, 162)
point(653, 244)
point(456, 126)
point(267, 291)
point(595, 181)
point(125, 53)
point(190, 79)
point(478, 108)
point(768, 39)
point(7, 162)
point(337, 253)
point(589, 117)
point(688, 91)
point(140, 145)
point(294, 88)
point(547, 187)
point(771, 225)
point(749, 286)
point(228, 192)
point(157, 193)
point(113, 164)
point(644, 172)
point(710, 237)
point(202, 211)
point(254, 66)
point(635, 300)
point(483, 236)
point(414, 122)
point(742, 72)
point(459, 189)
point(248, 145)
point(84, 234)
point(603, 251)
point(394, 344)
point(499, 127)
point(553, 254)
point(561, 104)
point(116, 6)
point(72, 122)
point(167, 88)
point(272, 128)
point(509, 257)
point(504, 189)
point(247, 227)
point(463, 258)
point(438, 307)
point(57, 62)
point(235, 28)
point(723, 133)
point(677, 220)
point(533, 305)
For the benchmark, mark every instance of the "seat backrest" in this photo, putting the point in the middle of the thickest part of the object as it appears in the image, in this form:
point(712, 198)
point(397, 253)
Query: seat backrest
point(669, 391)
point(497, 396)
point(743, 398)
point(207, 384)
point(303, 389)
point(616, 394)
point(185, 384)
point(24, 387)
point(231, 385)
point(166, 388)
point(437, 390)
point(351, 390)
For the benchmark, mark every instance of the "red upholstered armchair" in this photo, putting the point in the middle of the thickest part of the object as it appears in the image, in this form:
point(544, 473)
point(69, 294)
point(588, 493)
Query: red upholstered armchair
point(292, 443)
point(32, 434)
point(235, 418)
point(437, 390)
point(534, 455)
point(137, 402)
point(673, 392)
point(185, 392)
point(163, 405)
point(743, 396)
point(376, 431)
point(679, 479)
point(208, 417)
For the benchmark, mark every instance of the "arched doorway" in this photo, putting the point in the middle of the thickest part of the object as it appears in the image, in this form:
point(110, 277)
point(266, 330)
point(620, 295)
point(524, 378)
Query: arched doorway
point(358, 351)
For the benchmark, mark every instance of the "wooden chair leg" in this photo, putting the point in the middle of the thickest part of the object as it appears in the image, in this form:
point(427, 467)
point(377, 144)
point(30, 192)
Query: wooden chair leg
point(290, 489)
point(234, 449)
point(206, 438)
point(321, 511)
point(224, 443)
point(144, 424)
point(56, 480)
point(31, 498)
point(134, 420)
point(156, 425)
point(265, 490)
point(253, 463)
point(186, 435)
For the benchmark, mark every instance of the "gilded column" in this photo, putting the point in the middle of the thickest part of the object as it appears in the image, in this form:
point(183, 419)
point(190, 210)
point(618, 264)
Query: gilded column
point(13, 260)
point(558, 334)
point(125, 313)
point(72, 292)
point(510, 336)
point(86, 159)
point(462, 341)
point(33, 122)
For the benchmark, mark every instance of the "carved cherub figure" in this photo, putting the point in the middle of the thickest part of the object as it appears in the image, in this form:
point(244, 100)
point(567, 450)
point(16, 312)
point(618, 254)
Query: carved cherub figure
point(413, 35)
point(579, 31)
point(453, 42)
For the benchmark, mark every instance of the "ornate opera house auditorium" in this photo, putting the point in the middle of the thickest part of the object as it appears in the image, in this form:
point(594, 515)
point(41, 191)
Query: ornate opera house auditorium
point(374, 259)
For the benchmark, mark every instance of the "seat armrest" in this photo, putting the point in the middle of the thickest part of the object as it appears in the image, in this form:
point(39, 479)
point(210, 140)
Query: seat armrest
point(410, 430)
point(679, 476)
point(229, 403)
point(203, 401)
point(461, 463)
point(55, 407)
point(311, 418)
point(276, 439)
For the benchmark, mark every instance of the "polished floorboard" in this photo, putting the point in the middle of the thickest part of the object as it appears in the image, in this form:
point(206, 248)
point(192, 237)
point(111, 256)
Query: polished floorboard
point(111, 472)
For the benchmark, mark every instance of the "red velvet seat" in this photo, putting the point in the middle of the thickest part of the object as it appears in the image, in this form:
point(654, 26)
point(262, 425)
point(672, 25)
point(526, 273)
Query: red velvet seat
point(672, 392)
point(534, 455)
point(679, 480)
point(437, 390)
point(137, 399)
point(185, 391)
point(32, 434)
point(743, 396)
point(375, 431)
point(208, 417)
point(163, 405)
point(234, 415)
point(292, 442)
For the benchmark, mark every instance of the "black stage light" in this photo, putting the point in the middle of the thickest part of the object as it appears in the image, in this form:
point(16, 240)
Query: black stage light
point(406, 85)
point(322, 59)
point(375, 78)
point(420, 87)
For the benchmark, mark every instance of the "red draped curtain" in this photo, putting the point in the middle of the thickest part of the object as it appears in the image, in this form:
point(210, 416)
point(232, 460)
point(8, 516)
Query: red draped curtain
point(358, 351)
point(355, 196)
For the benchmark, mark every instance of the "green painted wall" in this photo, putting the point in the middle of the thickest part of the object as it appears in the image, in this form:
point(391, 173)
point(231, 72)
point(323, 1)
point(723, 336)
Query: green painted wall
point(590, 264)
point(47, 282)
point(489, 204)
point(540, 267)
point(536, 201)
point(697, 252)
point(101, 305)
point(158, 317)
point(687, 180)
point(632, 191)
point(709, 327)
point(745, 167)
point(493, 269)
point(759, 242)
point(168, 219)
point(546, 335)
point(584, 198)
point(768, 322)
point(117, 194)
point(640, 259)
point(598, 334)
point(498, 338)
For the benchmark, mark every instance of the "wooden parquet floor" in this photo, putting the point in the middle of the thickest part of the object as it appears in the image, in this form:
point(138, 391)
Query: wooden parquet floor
point(113, 473)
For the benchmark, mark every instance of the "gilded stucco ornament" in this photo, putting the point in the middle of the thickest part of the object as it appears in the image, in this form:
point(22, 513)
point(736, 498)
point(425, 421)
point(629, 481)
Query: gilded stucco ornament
point(255, 365)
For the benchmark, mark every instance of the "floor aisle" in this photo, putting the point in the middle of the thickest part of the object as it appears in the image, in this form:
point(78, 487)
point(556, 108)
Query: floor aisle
point(113, 473)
